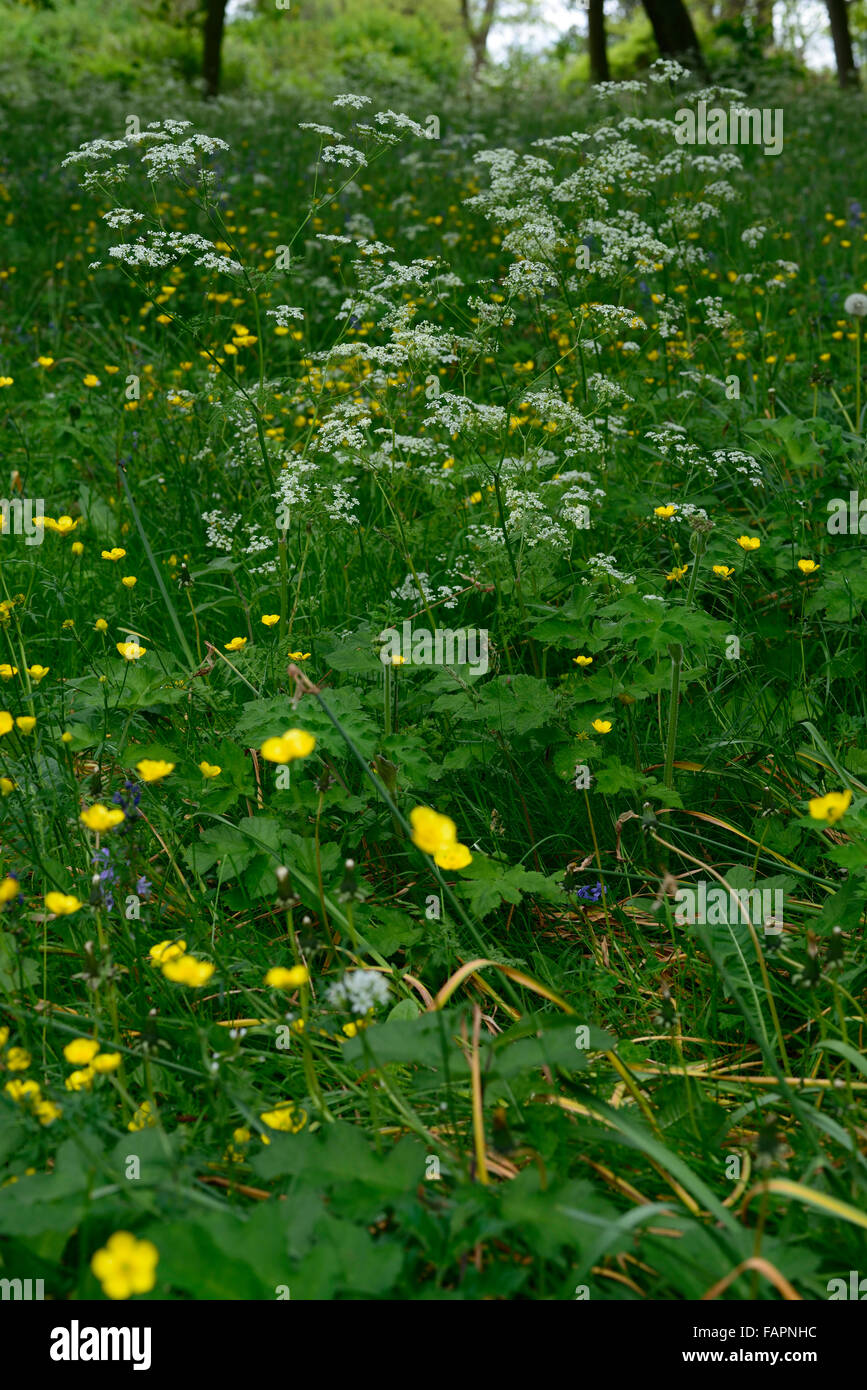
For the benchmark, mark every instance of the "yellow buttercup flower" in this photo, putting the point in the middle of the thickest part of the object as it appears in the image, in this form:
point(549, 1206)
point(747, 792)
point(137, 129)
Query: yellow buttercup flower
point(807, 566)
point(22, 1091)
point(166, 950)
point(295, 743)
point(186, 970)
point(299, 656)
point(749, 542)
point(38, 673)
point(90, 380)
point(17, 1059)
point(831, 807)
point(583, 660)
point(6, 721)
point(142, 1118)
point(665, 512)
point(81, 1080)
point(453, 857)
point(125, 1265)
point(116, 553)
point(100, 625)
point(6, 786)
point(130, 651)
point(81, 1051)
point(269, 619)
point(101, 818)
point(235, 1151)
point(432, 832)
point(284, 1117)
point(278, 977)
point(62, 904)
point(438, 835)
point(25, 723)
point(236, 644)
point(7, 671)
point(677, 573)
point(724, 571)
point(9, 889)
point(602, 726)
point(106, 1062)
point(209, 769)
point(62, 526)
point(129, 581)
point(152, 769)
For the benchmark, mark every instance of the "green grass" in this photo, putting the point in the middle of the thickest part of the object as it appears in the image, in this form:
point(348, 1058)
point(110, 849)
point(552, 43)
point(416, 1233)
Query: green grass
point(561, 1090)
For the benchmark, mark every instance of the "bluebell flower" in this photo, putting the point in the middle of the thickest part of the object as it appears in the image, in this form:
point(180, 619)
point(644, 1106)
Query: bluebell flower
point(591, 893)
point(129, 798)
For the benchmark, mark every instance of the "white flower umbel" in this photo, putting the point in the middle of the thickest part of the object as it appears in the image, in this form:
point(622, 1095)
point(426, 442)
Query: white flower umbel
point(346, 156)
point(359, 991)
point(283, 313)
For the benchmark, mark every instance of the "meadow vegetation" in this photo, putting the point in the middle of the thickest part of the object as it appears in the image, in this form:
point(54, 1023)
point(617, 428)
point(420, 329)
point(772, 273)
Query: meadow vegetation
point(329, 977)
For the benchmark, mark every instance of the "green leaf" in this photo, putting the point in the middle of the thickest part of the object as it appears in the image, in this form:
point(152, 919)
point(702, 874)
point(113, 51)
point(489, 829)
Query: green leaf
point(43, 1202)
point(407, 1008)
point(510, 705)
point(208, 1259)
point(418, 1041)
point(486, 884)
point(267, 718)
point(340, 1153)
point(553, 1043)
point(843, 908)
point(388, 930)
point(221, 845)
point(15, 967)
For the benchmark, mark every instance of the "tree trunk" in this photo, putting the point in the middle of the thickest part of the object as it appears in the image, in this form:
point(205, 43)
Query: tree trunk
point(478, 34)
point(765, 15)
point(215, 18)
point(847, 72)
point(674, 32)
point(596, 42)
